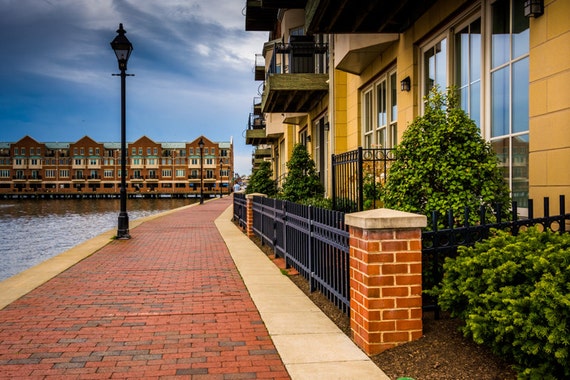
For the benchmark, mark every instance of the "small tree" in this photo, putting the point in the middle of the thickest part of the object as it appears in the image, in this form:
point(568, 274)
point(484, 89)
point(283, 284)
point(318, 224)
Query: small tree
point(261, 182)
point(443, 163)
point(302, 181)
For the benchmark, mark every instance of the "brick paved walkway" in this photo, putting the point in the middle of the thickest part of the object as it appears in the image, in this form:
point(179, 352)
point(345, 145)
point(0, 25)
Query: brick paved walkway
point(169, 302)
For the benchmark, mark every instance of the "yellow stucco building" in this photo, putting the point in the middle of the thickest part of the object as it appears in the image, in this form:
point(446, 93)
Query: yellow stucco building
point(509, 60)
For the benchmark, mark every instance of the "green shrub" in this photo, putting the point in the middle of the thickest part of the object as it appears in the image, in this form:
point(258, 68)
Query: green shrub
point(443, 163)
point(513, 292)
point(261, 182)
point(302, 181)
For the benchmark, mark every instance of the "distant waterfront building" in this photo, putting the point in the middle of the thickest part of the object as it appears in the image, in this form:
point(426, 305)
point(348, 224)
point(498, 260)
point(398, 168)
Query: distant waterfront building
point(88, 166)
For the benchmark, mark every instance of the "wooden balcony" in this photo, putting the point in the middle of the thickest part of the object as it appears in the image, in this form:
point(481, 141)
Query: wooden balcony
point(293, 92)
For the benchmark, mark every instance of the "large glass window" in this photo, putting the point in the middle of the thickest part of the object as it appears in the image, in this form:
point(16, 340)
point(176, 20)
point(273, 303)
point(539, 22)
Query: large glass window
point(435, 66)
point(468, 69)
point(510, 93)
point(380, 113)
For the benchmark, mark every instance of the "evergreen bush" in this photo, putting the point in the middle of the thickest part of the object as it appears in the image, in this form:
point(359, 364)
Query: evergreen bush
point(302, 181)
point(513, 292)
point(443, 163)
point(261, 181)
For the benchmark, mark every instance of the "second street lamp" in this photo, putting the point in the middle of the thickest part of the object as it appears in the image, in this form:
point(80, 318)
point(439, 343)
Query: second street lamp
point(201, 145)
point(123, 48)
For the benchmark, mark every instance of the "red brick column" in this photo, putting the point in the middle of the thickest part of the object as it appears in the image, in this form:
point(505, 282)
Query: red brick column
point(249, 213)
point(385, 278)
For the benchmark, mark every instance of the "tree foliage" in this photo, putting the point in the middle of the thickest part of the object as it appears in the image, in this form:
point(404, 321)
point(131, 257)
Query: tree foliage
point(443, 163)
point(261, 181)
point(513, 292)
point(302, 181)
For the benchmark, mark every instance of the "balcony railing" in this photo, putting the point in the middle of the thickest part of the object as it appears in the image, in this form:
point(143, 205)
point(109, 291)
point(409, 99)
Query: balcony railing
point(302, 55)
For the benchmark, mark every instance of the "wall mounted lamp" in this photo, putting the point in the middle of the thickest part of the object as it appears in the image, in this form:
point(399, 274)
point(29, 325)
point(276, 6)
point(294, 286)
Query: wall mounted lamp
point(406, 84)
point(533, 8)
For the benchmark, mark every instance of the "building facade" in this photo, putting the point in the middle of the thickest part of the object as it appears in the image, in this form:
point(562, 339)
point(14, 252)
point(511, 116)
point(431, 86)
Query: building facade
point(508, 59)
point(90, 167)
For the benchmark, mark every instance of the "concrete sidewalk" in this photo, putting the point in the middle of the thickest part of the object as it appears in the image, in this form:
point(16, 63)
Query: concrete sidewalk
point(170, 302)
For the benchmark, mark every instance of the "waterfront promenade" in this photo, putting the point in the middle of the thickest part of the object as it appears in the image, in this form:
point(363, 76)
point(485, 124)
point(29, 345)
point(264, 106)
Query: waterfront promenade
point(188, 296)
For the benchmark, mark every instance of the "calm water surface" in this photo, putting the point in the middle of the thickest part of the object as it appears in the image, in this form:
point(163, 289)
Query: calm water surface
point(32, 231)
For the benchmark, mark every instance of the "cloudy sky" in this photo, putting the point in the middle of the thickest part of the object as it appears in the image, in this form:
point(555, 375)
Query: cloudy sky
point(192, 60)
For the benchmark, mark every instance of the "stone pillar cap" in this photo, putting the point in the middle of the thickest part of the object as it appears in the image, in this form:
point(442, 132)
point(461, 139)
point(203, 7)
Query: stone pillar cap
point(384, 218)
point(249, 196)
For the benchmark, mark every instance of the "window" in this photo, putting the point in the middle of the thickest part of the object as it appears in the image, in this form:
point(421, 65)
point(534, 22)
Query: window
point(94, 174)
point(108, 173)
point(134, 151)
point(50, 173)
point(78, 162)
point(93, 162)
point(209, 173)
point(137, 174)
point(468, 69)
point(97, 151)
point(435, 66)
point(148, 151)
point(166, 172)
point(380, 112)
point(32, 151)
point(223, 152)
point(191, 151)
point(180, 172)
point(82, 151)
point(16, 151)
point(90, 151)
point(4, 173)
point(79, 174)
point(64, 173)
point(510, 94)
point(194, 161)
point(23, 150)
point(205, 150)
point(155, 151)
point(209, 161)
point(484, 61)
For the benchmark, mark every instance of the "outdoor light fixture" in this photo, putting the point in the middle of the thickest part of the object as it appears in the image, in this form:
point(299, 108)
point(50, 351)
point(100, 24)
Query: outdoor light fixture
point(123, 49)
point(221, 172)
point(406, 84)
point(533, 8)
point(201, 145)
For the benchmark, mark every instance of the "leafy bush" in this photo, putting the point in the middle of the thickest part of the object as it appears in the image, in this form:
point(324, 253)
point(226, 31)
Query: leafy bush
point(513, 292)
point(261, 182)
point(443, 163)
point(302, 181)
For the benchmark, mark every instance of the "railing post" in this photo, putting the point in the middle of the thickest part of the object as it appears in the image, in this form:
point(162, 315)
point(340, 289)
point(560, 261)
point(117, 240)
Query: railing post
point(385, 278)
point(249, 213)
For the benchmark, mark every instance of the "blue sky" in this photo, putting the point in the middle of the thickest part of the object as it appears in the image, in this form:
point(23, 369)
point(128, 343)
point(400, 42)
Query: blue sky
point(192, 60)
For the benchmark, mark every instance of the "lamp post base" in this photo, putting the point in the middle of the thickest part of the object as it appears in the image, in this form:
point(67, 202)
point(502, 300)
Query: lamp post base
point(123, 229)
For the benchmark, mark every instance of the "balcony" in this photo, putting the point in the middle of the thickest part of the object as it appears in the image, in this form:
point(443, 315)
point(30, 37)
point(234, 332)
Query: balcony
point(256, 134)
point(262, 153)
point(259, 67)
point(297, 76)
point(371, 16)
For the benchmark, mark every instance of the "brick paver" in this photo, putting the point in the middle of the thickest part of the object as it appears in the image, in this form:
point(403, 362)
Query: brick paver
point(169, 302)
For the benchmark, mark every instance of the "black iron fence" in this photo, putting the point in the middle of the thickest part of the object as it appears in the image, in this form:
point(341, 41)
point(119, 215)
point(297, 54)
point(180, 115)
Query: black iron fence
point(314, 241)
point(439, 243)
point(240, 209)
point(358, 177)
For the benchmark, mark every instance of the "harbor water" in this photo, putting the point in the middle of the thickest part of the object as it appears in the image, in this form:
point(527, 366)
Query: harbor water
point(33, 230)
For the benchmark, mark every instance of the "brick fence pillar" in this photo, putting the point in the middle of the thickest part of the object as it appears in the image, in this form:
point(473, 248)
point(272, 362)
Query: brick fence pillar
point(249, 213)
point(385, 278)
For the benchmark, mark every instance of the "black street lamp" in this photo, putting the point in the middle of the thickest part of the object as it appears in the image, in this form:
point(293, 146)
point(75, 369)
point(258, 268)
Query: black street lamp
point(221, 174)
point(201, 145)
point(123, 49)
